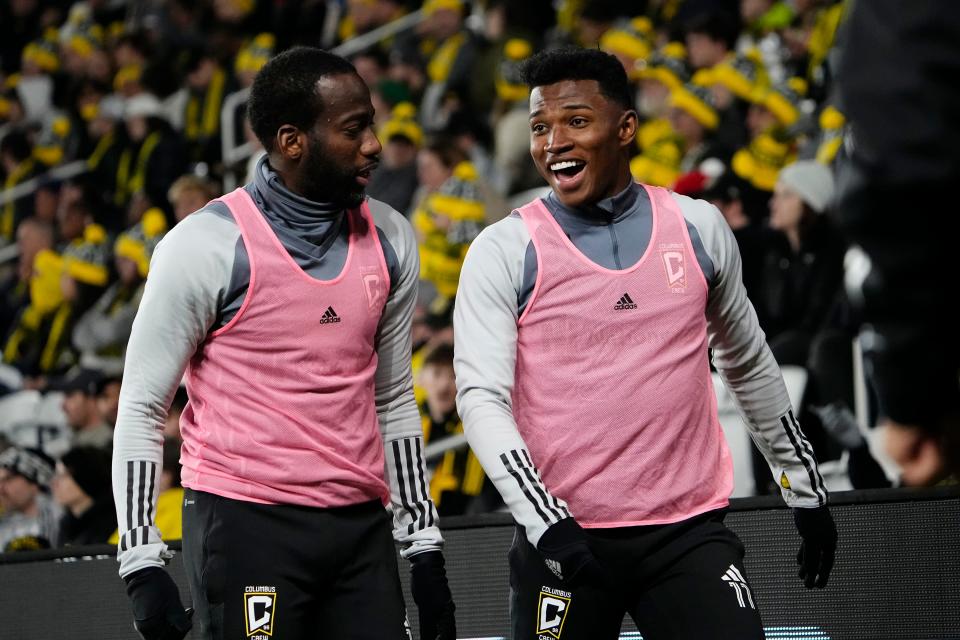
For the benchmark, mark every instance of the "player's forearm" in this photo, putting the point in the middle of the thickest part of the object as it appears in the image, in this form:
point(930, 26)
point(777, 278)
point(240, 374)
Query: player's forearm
point(494, 438)
point(415, 520)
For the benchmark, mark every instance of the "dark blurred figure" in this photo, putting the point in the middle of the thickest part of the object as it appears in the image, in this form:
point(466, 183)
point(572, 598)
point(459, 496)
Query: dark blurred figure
point(17, 166)
point(81, 485)
point(902, 167)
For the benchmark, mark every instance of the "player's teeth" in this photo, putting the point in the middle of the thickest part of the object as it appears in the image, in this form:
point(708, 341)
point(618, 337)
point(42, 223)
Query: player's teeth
point(563, 165)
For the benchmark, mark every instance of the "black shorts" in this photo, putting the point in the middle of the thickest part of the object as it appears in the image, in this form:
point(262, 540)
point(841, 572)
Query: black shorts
point(680, 581)
point(286, 572)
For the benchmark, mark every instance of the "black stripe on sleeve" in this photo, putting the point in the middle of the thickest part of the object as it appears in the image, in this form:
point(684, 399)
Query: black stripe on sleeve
point(820, 486)
point(516, 476)
point(398, 466)
point(536, 485)
point(129, 495)
point(417, 500)
point(556, 503)
point(806, 463)
point(153, 474)
point(423, 487)
point(143, 489)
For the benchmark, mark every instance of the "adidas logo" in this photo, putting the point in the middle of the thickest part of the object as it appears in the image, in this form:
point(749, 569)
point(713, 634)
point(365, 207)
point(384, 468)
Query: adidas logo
point(625, 302)
point(329, 316)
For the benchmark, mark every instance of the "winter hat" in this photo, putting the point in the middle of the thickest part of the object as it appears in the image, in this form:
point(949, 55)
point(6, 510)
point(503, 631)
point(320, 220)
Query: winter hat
point(85, 259)
point(782, 99)
point(143, 105)
point(629, 39)
point(43, 52)
point(741, 74)
point(402, 123)
point(90, 469)
point(255, 53)
point(459, 197)
point(32, 464)
point(760, 162)
point(668, 65)
point(659, 164)
point(52, 139)
point(812, 181)
point(138, 242)
point(509, 83)
point(697, 102)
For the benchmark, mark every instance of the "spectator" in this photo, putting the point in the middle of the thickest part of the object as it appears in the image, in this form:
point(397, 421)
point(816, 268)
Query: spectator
point(395, 181)
point(29, 517)
point(108, 398)
point(446, 223)
point(62, 288)
point(80, 406)
point(711, 38)
point(801, 295)
point(111, 141)
point(435, 163)
point(715, 183)
point(33, 236)
point(693, 116)
point(190, 193)
point(100, 335)
point(450, 63)
point(457, 479)
point(46, 200)
point(18, 167)
point(660, 145)
point(511, 121)
point(155, 156)
point(81, 486)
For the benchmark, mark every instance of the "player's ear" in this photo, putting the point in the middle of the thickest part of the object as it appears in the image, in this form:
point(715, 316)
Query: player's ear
point(290, 141)
point(627, 130)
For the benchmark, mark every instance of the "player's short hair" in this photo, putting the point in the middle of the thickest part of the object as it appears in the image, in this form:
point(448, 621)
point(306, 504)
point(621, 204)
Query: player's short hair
point(285, 90)
point(556, 65)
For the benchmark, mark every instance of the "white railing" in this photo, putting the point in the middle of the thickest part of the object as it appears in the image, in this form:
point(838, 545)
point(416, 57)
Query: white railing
point(63, 172)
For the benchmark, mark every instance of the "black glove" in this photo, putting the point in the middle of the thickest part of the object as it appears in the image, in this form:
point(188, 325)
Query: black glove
point(428, 583)
point(565, 550)
point(158, 613)
point(818, 545)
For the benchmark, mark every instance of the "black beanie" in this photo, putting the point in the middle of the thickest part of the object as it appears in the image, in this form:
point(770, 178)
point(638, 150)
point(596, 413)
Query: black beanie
point(90, 469)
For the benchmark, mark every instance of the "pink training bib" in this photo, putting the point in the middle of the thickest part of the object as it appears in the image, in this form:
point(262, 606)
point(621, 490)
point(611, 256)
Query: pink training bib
point(281, 399)
point(613, 393)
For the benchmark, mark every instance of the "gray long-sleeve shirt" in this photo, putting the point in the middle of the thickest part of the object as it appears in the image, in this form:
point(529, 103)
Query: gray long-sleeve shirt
point(497, 279)
point(198, 278)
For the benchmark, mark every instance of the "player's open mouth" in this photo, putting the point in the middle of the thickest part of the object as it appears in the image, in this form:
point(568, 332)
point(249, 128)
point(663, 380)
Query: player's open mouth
point(363, 176)
point(568, 173)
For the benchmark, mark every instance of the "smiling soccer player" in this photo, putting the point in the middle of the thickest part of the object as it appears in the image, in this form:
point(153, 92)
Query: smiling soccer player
point(582, 325)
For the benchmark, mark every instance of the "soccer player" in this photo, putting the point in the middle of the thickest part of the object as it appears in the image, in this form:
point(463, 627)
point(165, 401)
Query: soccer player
point(582, 324)
point(288, 303)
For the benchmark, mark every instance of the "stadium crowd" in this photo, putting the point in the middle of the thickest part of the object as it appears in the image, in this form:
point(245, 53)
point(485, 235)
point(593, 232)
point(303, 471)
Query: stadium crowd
point(738, 106)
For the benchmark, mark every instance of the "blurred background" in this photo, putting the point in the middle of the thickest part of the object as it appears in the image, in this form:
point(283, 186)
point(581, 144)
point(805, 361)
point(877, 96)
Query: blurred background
point(812, 125)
